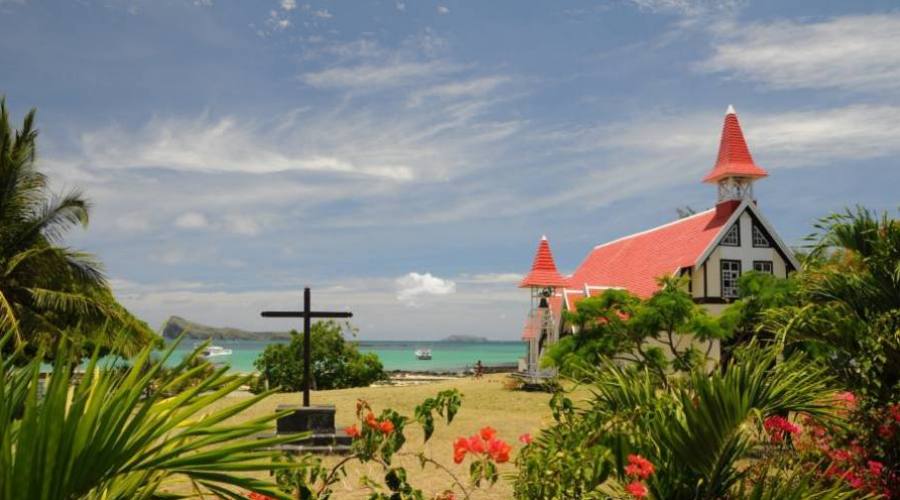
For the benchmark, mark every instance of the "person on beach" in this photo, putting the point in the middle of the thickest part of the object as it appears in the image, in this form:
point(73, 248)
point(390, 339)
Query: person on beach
point(479, 369)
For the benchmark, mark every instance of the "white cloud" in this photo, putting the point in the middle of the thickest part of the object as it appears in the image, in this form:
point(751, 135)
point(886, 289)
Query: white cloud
point(323, 14)
point(288, 4)
point(461, 88)
point(412, 287)
point(491, 278)
point(851, 52)
point(242, 224)
point(191, 220)
point(401, 6)
point(686, 7)
point(441, 9)
point(223, 145)
point(378, 76)
point(133, 222)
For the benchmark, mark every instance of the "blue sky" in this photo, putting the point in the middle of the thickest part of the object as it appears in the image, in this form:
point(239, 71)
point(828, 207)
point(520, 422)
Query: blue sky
point(404, 158)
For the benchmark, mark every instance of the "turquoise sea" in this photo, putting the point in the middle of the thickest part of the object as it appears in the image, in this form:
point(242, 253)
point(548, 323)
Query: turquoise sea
point(394, 355)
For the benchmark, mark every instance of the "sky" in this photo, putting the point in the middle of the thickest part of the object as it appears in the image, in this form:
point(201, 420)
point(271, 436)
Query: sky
point(403, 158)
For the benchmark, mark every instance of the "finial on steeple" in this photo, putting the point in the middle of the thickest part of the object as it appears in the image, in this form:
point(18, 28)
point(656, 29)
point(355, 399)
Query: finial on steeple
point(543, 237)
point(730, 110)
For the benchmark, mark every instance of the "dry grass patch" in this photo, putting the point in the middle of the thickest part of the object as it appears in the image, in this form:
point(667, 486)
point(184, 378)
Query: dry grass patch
point(486, 401)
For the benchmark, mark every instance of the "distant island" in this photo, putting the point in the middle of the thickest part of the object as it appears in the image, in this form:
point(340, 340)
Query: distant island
point(177, 325)
point(468, 339)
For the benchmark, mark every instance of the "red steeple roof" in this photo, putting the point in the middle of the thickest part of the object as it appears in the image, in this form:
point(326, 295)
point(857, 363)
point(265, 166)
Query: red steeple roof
point(734, 157)
point(543, 271)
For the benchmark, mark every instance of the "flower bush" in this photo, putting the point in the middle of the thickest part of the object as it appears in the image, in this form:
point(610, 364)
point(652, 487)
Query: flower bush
point(488, 451)
point(857, 450)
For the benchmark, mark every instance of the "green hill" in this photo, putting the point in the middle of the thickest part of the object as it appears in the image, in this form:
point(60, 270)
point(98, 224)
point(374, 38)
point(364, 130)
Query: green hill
point(175, 325)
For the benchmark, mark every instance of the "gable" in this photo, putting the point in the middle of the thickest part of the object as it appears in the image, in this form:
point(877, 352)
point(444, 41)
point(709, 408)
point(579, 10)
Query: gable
point(746, 235)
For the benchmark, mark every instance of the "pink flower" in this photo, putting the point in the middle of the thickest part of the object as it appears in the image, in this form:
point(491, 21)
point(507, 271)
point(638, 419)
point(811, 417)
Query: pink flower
point(525, 439)
point(847, 399)
point(637, 489)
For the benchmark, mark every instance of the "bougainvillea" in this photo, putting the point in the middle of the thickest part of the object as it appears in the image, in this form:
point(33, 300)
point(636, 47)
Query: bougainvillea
point(487, 449)
point(639, 469)
point(778, 426)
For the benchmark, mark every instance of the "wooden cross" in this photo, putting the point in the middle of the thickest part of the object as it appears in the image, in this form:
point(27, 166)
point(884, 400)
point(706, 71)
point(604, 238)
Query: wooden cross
point(307, 314)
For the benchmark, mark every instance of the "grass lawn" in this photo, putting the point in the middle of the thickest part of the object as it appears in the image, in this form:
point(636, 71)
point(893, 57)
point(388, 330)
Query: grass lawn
point(485, 402)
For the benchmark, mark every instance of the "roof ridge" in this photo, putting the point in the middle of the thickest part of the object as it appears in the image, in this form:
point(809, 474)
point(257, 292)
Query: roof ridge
point(678, 221)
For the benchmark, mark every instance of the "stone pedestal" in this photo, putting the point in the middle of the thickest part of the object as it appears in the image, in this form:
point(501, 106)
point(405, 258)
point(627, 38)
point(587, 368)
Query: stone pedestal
point(319, 420)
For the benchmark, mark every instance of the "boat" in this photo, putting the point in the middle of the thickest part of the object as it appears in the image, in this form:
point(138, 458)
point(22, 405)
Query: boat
point(424, 354)
point(214, 351)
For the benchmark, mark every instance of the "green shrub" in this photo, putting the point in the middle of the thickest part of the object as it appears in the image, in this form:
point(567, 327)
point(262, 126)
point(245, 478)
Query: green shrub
point(336, 363)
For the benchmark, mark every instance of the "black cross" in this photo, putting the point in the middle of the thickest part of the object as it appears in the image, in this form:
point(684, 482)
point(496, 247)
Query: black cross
point(306, 314)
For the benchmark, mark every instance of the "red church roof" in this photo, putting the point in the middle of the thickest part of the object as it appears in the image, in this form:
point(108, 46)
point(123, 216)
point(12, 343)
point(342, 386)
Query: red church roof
point(543, 270)
point(734, 156)
point(634, 262)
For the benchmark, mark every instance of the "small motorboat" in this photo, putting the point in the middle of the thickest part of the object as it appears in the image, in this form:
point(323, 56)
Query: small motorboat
point(215, 351)
point(423, 354)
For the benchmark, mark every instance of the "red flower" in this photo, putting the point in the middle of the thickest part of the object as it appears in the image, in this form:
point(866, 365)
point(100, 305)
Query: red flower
point(499, 450)
point(258, 496)
point(875, 467)
point(637, 489)
point(639, 466)
point(854, 481)
point(460, 448)
point(352, 431)
point(476, 445)
point(895, 411)
point(886, 431)
point(488, 433)
point(777, 426)
point(386, 427)
point(525, 439)
point(371, 421)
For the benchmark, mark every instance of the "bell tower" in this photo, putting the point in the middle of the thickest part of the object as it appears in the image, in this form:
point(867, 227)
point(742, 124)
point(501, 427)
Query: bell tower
point(734, 172)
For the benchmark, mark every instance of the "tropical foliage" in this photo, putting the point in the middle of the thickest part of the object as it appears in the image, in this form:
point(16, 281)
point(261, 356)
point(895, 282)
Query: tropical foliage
point(336, 363)
point(107, 435)
point(621, 327)
point(701, 435)
point(48, 291)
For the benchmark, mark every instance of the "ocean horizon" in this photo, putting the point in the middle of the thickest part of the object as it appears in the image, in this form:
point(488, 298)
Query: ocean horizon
point(395, 355)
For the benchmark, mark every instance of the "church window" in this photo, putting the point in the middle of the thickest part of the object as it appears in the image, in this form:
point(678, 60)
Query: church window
point(763, 266)
point(731, 271)
point(759, 238)
point(733, 237)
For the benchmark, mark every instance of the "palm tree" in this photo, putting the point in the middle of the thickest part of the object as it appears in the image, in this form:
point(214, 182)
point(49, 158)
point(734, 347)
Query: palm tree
point(850, 300)
point(49, 291)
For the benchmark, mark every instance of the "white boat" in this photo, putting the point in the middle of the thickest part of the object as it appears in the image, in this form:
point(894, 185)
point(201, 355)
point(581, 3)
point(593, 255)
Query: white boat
point(214, 351)
point(424, 354)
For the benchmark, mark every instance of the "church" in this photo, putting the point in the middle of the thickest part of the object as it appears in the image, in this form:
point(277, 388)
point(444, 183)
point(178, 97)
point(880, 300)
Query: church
point(711, 248)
